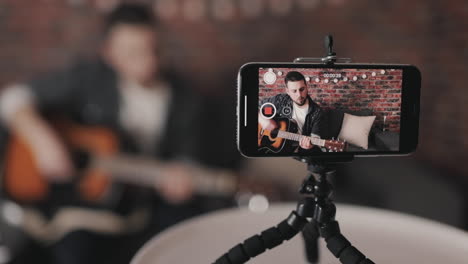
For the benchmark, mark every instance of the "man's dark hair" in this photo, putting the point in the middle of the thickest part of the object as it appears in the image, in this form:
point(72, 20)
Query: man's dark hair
point(130, 13)
point(294, 76)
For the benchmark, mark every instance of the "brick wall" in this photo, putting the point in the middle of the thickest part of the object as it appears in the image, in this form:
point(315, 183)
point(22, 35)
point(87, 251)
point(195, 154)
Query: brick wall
point(353, 90)
point(37, 36)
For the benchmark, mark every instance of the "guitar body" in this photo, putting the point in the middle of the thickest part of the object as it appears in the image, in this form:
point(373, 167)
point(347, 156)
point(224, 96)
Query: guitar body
point(268, 142)
point(56, 209)
point(24, 183)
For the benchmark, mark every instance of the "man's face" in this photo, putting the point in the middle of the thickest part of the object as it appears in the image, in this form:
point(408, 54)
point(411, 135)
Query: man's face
point(297, 91)
point(131, 51)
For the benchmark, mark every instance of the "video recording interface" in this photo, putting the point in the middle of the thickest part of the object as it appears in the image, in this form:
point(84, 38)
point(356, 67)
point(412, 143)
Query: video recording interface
point(329, 110)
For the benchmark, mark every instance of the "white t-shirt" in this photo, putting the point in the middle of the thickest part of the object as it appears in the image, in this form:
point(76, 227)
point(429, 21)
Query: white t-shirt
point(143, 113)
point(299, 115)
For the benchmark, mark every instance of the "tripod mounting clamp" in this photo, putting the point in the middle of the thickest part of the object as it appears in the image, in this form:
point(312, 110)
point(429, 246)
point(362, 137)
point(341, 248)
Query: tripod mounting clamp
point(319, 164)
point(330, 57)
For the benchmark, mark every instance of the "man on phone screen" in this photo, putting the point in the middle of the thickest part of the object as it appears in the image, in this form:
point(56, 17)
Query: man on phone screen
point(295, 104)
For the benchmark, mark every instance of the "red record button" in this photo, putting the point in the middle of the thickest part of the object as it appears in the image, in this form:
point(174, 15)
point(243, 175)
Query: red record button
point(268, 110)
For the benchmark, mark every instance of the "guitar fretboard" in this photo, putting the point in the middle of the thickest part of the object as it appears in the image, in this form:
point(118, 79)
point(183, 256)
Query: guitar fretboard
point(149, 173)
point(298, 137)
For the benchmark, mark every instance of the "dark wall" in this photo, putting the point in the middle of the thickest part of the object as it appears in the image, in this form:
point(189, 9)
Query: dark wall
point(209, 40)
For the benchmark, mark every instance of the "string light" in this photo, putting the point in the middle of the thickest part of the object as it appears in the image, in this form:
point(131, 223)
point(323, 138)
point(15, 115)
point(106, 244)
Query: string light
point(280, 7)
point(355, 78)
point(269, 77)
point(317, 79)
point(345, 79)
point(252, 8)
point(326, 81)
point(307, 79)
point(336, 2)
point(335, 80)
point(364, 76)
point(223, 9)
point(165, 8)
point(194, 9)
point(308, 4)
point(106, 5)
point(75, 3)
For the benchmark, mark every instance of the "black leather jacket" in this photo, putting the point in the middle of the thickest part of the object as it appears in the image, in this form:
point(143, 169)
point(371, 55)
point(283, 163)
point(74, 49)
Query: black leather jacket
point(284, 108)
point(87, 92)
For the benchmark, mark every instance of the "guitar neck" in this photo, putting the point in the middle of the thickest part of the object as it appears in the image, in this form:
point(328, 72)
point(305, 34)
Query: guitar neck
point(298, 137)
point(148, 172)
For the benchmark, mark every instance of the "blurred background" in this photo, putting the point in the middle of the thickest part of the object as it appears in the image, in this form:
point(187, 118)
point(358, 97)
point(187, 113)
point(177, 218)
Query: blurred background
point(208, 40)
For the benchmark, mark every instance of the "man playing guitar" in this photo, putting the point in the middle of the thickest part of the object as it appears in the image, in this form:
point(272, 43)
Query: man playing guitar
point(296, 104)
point(125, 89)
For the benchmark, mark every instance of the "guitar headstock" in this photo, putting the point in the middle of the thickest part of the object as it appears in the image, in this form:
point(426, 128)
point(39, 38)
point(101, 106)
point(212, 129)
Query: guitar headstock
point(335, 145)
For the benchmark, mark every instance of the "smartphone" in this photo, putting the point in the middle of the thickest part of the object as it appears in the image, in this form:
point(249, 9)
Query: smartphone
point(299, 109)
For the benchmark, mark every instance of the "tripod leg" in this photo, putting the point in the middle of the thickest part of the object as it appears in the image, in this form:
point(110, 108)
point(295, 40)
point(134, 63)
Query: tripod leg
point(339, 246)
point(311, 236)
point(268, 239)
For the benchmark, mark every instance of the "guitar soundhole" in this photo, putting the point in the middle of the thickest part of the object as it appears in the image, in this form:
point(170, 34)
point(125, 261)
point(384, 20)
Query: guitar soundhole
point(81, 158)
point(274, 133)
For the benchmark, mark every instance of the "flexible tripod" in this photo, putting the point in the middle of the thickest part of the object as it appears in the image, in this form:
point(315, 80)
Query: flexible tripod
point(316, 206)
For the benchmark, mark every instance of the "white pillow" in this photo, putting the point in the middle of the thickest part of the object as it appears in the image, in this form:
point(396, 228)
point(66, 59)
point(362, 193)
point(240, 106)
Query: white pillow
point(355, 129)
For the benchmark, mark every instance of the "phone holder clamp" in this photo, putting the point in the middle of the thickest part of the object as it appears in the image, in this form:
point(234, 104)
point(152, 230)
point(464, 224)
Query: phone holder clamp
point(330, 58)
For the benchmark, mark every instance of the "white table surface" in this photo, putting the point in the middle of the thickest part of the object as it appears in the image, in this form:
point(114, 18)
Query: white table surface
point(383, 236)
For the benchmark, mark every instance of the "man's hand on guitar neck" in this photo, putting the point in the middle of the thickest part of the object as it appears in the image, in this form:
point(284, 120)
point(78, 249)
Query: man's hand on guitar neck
point(305, 143)
point(177, 183)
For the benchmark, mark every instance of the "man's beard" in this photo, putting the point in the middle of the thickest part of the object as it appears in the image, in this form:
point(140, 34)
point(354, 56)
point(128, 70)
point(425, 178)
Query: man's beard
point(303, 102)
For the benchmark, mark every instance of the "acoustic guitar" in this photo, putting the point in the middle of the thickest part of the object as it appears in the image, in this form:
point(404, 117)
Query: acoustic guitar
point(96, 154)
point(282, 138)
point(99, 164)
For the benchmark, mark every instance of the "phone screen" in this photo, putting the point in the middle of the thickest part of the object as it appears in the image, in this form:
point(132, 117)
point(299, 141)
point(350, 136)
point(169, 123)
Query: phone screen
point(312, 110)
